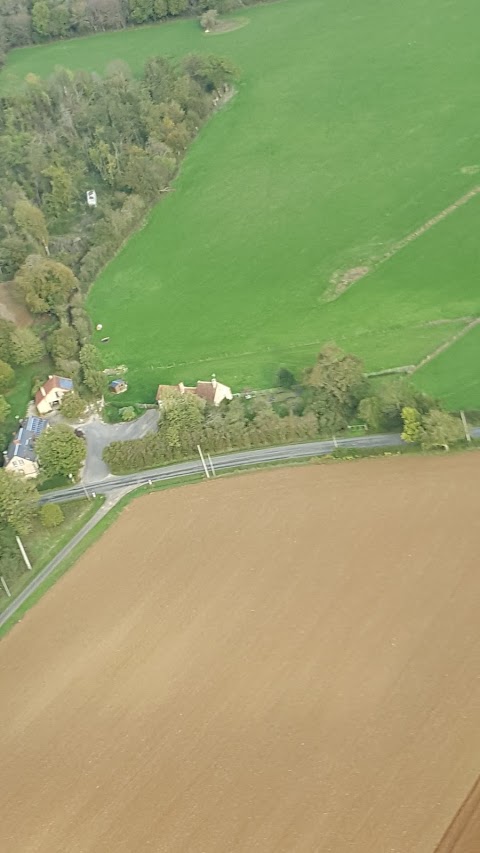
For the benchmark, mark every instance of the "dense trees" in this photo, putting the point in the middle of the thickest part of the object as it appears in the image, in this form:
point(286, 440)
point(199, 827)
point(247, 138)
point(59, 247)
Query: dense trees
point(72, 406)
point(46, 285)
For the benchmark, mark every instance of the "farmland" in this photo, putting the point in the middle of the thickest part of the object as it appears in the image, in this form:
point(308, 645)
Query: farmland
point(352, 127)
point(291, 665)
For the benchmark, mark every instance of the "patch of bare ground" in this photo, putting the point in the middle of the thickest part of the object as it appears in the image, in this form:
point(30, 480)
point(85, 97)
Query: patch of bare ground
point(223, 27)
point(284, 662)
point(341, 281)
point(12, 309)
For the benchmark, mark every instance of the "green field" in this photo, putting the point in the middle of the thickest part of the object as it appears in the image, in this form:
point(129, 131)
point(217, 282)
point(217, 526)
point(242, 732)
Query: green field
point(355, 123)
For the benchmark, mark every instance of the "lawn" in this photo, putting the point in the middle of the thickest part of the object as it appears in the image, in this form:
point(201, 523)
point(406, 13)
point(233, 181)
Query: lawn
point(352, 127)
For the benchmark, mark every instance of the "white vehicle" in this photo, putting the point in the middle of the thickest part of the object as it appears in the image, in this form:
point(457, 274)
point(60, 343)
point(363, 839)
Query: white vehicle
point(91, 198)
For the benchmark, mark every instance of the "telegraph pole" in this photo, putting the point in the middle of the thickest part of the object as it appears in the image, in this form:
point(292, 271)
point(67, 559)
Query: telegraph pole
point(465, 426)
point(203, 462)
point(23, 553)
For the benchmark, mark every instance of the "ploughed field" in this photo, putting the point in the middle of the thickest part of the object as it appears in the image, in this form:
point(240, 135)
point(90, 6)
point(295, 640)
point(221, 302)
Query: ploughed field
point(282, 661)
point(354, 128)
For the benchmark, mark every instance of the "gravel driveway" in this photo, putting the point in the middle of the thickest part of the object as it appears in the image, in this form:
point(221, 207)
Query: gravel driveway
point(99, 435)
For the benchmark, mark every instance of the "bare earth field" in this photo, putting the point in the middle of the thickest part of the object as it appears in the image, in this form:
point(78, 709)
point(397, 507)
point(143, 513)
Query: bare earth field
point(280, 662)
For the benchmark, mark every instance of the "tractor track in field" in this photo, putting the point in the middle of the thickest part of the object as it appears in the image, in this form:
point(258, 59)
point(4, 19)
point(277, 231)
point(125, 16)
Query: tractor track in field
point(343, 280)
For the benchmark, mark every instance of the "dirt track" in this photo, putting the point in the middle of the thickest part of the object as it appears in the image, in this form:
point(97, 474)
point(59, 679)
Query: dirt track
point(284, 662)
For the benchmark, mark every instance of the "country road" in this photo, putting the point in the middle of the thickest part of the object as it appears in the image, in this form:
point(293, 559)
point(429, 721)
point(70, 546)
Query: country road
point(115, 487)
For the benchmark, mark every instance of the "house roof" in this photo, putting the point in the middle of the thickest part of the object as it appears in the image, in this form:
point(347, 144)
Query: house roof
point(115, 382)
point(51, 384)
point(206, 390)
point(23, 444)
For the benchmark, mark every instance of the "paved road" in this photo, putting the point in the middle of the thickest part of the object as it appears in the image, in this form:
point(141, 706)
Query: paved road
point(99, 435)
point(114, 487)
point(237, 459)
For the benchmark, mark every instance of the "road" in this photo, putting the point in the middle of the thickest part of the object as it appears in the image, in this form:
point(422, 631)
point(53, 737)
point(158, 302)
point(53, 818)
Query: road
point(115, 487)
point(238, 459)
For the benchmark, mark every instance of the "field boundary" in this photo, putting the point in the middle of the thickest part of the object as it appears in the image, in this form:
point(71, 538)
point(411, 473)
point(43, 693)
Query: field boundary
point(341, 281)
point(462, 820)
point(447, 344)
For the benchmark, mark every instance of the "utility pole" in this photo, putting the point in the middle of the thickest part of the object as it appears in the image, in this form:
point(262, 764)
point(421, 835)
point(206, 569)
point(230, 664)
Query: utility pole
point(4, 584)
point(211, 464)
point(203, 462)
point(23, 553)
point(465, 426)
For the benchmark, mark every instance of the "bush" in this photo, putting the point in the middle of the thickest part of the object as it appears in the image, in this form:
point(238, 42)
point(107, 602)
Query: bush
point(128, 413)
point(209, 20)
point(51, 515)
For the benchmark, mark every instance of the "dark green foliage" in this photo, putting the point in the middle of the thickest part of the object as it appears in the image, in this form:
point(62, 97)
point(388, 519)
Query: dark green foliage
point(6, 376)
point(51, 515)
point(185, 422)
point(285, 378)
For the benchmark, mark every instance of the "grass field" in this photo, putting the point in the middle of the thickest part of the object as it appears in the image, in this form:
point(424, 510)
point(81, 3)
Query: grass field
point(281, 691)
point(352, 127)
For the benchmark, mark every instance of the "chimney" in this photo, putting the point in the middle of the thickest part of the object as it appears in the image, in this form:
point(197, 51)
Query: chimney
point(214, 381)
point(181, 387)
point(43, 392)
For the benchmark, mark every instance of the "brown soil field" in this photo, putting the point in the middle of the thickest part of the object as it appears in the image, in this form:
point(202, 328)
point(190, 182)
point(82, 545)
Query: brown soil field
point(285, 662)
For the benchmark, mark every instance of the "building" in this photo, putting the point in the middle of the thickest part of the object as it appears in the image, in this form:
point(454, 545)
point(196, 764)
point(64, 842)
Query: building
point(20, 458)
point(212, 392)
point(48, 397)
point(118, 386)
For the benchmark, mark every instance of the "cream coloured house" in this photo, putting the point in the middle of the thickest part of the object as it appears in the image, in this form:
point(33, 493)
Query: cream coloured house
point(20, 458)
point(48, 397)
point(212, 392)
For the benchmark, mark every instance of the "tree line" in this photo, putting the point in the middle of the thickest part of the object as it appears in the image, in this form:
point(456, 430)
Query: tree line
point(59, 137)
point(24, 22)
point(329, 396)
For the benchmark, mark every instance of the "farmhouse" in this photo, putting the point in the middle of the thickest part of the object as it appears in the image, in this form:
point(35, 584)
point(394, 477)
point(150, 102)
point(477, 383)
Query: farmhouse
point(48, 397)
point(20, 458)
point(212, 392)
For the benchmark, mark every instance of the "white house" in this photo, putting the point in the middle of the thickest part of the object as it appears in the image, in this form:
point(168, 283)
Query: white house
point(20, 458)
point(48, 397)
point(212, 392)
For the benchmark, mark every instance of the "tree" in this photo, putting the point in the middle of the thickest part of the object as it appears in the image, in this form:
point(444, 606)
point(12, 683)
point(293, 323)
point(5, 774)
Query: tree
point(31, 221)
point(27, 347)
point(160, 8)
point(412, 424)
point(285, 378)
point(61, 194)
point(140, 10)
point(72, 406)
point(440, 429)
point(91, 363)
point(62, 344)
point(51, 515)
point(369, 411)
point(18, 502)
point(209, 19)
point(41, 18)
point(6, 329)
point(4, 409)
point(45, 285)
point(176, 7)
point(60, 451)
point(6, 376)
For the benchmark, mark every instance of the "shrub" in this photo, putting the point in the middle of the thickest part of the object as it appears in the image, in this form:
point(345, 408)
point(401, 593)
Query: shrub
point(51, 515)
point(128, 413)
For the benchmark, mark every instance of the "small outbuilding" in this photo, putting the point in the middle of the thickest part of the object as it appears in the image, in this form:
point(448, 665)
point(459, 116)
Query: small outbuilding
point(118, 386)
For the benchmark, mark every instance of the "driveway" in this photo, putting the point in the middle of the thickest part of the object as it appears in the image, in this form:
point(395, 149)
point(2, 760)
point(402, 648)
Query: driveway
point(99, 435)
